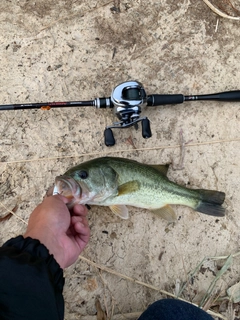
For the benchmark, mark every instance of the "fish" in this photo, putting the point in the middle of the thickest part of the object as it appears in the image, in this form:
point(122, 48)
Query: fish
point(119, 182)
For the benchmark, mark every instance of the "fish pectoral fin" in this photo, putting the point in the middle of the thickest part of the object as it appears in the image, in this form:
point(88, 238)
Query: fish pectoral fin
point(120, 210)
point(166, 213)
point(163, 168)
point(128, 187)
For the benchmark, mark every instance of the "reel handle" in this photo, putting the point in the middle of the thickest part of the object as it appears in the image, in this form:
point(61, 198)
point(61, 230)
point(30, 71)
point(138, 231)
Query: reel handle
point(108, 137)
point(146, 130)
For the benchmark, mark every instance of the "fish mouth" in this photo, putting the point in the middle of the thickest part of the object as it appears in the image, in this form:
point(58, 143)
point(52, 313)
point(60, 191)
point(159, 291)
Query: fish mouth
point(67, 187)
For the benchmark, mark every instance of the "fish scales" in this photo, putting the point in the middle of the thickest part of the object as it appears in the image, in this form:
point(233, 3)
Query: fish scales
point(155, 189)
point(117, 182)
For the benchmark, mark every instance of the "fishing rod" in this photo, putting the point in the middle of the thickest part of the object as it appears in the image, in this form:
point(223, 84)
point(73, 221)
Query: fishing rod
point(127, 100)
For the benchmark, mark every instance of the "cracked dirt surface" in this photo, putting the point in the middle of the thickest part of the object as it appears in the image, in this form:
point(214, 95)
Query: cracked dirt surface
point(80, 50)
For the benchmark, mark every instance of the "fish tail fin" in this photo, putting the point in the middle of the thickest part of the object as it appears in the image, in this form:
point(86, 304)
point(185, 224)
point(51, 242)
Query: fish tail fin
point(210, 202)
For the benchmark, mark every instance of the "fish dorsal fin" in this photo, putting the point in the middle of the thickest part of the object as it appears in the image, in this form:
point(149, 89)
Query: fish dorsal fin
point(128, 187)
point(120, 210)
point(163, 168)
point(166, 213)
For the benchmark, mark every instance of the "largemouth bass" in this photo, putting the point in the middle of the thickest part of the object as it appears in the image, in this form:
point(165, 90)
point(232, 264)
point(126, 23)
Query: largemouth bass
point(117, 182)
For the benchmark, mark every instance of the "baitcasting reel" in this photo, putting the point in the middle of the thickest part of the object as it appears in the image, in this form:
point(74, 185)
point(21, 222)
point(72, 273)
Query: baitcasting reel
point(128, 99)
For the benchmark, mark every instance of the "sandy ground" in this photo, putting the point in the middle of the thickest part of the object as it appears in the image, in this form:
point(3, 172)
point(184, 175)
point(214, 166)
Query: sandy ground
point(80, 50)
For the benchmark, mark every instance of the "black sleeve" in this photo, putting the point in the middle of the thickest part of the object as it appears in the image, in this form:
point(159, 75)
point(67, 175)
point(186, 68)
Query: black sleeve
point(31, 282)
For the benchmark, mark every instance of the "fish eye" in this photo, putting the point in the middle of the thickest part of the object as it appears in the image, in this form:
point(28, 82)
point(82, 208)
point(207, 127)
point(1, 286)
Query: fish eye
point(83, 174)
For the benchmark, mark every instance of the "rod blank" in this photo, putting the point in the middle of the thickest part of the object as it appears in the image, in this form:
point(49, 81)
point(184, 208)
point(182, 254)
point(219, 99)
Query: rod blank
point(152, 100)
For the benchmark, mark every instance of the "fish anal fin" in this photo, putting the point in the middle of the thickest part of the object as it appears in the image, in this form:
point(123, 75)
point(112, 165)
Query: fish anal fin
point(120, 210)
point(128, 187)
point(166, 213)
point(163, 168)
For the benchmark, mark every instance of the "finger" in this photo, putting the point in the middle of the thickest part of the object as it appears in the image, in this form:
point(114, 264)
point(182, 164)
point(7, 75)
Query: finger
point(79, 221)
point(75, 219)
point(60, 197)
point(52, 208)
point(79, 210)
point(72, 230)
point(82, 238)
point(49, 192)
point(83, 231)
point(56, 198)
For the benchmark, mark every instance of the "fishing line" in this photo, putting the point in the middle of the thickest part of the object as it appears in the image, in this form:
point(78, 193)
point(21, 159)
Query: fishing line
point(120, 151)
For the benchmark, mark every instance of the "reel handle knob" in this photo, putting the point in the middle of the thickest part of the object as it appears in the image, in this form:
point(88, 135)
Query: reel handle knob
point(146, 130)
point(108, 137)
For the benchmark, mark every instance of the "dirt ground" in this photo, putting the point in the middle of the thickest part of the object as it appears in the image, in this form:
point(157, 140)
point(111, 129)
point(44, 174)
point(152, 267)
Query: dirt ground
point(79, 50)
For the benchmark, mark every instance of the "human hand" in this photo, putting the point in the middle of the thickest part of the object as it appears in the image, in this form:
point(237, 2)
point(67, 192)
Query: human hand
point(64, 233)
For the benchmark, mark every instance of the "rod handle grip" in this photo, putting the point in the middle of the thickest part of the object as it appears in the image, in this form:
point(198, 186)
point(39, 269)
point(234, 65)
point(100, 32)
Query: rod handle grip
point(161, 99)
